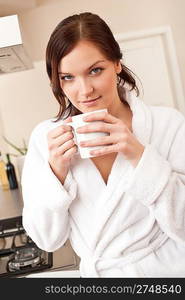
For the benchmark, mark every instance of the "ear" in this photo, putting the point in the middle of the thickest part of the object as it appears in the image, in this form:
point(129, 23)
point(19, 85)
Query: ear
point(118, 67)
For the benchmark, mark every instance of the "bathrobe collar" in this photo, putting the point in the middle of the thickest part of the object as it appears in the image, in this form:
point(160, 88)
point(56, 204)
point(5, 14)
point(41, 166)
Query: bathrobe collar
point(141, 120)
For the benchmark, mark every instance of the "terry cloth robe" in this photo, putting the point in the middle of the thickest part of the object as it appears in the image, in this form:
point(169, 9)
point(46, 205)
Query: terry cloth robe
point(133, 226)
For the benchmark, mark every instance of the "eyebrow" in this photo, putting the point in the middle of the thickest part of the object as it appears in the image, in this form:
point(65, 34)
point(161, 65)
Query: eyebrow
point(99, 61)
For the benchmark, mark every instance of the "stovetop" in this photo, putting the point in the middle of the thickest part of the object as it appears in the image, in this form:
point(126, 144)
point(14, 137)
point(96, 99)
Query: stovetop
point(19, 255)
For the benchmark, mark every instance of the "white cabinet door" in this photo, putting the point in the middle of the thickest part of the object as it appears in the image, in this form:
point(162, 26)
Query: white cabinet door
point(151, 56)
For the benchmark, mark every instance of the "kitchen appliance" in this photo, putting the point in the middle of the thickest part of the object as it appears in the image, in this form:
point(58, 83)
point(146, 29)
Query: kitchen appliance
point(19, 255)
point(13, 55)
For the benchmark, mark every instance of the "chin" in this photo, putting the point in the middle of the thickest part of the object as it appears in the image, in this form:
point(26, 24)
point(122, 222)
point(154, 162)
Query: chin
point(93, 108)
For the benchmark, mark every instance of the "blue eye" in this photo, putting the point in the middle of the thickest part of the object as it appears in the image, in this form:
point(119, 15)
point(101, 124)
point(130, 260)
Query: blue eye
point(96, 70)
point(66, 77)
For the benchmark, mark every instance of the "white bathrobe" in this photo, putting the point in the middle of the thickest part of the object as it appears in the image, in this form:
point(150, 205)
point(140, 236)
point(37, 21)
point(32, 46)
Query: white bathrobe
point(133, 226)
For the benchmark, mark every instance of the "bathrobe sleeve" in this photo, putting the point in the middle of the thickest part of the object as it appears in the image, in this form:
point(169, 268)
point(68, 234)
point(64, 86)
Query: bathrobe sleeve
point(159, 184)
point(46, 200)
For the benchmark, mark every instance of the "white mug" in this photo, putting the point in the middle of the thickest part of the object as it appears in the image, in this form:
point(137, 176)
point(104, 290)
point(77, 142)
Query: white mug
point(77, 121)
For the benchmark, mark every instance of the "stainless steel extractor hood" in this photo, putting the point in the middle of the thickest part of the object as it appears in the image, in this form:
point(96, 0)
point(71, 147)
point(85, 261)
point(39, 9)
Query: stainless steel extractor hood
point(13, 56)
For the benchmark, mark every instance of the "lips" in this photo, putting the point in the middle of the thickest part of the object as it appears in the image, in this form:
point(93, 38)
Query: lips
point(91, 100)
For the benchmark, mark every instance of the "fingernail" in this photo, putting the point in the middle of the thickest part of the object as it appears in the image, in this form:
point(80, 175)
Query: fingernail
point(85, 118)
point(79, 129)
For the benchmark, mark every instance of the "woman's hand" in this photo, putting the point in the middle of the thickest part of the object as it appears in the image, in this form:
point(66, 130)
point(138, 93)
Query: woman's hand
point(61, 149)
point(120, 138)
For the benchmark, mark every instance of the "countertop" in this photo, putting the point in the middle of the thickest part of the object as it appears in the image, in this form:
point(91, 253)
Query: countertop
point(56, 274)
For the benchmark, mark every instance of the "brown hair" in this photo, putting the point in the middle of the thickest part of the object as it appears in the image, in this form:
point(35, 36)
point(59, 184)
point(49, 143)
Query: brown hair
point(84, 26)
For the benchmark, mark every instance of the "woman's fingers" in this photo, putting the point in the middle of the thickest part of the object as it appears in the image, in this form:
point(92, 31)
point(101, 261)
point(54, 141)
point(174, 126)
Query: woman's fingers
point(61, 139)
point(104, 140)
point(95, 127)
point(65, 147)
point(70, 152)
point(100, 116)
point(105, 150)
point(69, 119)
point(59, 131)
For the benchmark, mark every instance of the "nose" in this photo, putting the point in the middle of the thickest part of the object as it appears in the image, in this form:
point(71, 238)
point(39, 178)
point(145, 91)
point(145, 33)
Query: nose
point(85, 88)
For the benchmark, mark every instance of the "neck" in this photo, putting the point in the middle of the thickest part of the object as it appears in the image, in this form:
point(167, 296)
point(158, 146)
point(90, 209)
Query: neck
point(122, 111)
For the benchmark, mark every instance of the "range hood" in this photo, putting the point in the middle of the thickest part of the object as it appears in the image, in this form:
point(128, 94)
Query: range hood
point(13, 56)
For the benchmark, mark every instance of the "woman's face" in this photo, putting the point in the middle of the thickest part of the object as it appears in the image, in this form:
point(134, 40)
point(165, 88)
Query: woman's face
point(88, 78)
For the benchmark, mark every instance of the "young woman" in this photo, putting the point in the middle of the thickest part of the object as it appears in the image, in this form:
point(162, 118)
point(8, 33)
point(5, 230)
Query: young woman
point(123, 209)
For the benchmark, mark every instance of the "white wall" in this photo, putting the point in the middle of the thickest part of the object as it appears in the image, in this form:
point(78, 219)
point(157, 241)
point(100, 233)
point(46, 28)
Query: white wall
point(27, 100)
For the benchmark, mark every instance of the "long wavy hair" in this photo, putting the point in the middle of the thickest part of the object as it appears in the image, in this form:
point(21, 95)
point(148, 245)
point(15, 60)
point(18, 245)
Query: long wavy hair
point(90, 27)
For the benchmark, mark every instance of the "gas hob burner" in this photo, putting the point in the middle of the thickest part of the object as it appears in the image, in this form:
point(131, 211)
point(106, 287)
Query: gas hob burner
point(19, 255)
point(25, 257)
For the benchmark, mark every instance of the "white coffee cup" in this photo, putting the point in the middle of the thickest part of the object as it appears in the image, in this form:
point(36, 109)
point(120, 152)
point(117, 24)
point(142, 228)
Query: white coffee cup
point(77, 121)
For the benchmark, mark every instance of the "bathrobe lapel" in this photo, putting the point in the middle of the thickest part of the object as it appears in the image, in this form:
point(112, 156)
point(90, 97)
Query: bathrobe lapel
point(112, 193)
